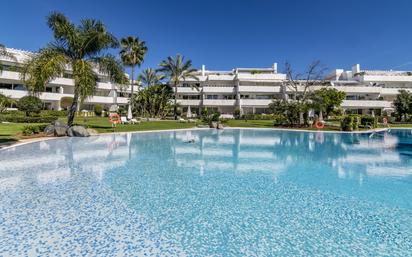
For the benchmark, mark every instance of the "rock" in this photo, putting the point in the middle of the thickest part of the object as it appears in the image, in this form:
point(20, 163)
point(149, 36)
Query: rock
point(219, 126)
point(213, 124)
point(92, 131)
point(77, 131)
point(49, 130)
point(58, 123)
point(60, 131)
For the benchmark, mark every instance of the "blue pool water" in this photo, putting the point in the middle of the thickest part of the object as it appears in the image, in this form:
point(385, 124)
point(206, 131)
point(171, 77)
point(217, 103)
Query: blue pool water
point(230, 193)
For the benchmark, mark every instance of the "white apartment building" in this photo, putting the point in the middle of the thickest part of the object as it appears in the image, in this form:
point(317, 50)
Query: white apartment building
point(107, 94)
point(370, 90)
point(253, 89)
point(250, 90)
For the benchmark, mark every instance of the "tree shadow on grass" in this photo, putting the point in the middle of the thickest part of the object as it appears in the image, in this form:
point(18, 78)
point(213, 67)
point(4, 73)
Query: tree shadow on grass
point(7, 141)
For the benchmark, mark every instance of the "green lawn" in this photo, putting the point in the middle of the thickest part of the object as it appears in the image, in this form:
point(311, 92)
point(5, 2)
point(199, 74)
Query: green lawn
point(9, 131)
point(250, 123)
point(266, 124)
point(102, 125)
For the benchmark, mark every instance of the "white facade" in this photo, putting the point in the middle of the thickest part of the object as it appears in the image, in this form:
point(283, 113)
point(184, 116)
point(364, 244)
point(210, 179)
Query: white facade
point(368, 90)
point(249, 89)
point(11, 85)
point(253, 89)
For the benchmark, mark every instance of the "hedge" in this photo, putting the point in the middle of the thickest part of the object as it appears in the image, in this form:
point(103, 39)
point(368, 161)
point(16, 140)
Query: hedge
point(32, 129)
point(20, 119)
point(350, 123)
point(369, 120)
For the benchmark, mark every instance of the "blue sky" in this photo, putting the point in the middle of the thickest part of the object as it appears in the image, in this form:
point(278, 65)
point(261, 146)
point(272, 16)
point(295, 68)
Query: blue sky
point(223, 34)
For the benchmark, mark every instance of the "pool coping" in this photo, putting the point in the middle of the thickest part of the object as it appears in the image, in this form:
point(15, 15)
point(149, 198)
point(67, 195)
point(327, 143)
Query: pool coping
point(40, 139)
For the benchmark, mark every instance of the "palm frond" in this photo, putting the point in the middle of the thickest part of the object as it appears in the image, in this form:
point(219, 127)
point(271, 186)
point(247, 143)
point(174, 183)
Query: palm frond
point(150, 77)
point(42, 68)
point(133, 51)
point(84, 75)
point(112, 67)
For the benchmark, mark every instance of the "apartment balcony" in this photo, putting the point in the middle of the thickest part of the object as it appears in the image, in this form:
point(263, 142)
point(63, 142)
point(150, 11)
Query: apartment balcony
point(187, 90)
point(219, 102)
point(100, 100)
point(385, 78)
point(393, 91)
point(185, 102)
point(229, 90)
point(256, 102)
point(261, 77)
point(259, 89)
point(47, 96)
point(14, 77)
point(122, 100)
point(352, 104)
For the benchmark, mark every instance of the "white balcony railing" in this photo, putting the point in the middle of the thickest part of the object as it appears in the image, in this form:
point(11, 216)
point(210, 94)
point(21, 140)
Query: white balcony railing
point(187, 90)
point(259, 89)
point(15, 77)
point(218, 102)
point(255, 102)
point(366, 104)
point(188, 102)
point(230, 90)
point(46, 96)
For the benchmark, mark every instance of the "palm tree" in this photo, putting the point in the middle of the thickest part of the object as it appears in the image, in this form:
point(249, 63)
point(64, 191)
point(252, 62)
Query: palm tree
point(132, 53)
point(150, 77)
point(177, 70)
point(5, 53)
point(78, 47)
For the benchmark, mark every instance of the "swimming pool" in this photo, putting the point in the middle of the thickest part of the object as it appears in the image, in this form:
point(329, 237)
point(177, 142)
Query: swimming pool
point(233, 192)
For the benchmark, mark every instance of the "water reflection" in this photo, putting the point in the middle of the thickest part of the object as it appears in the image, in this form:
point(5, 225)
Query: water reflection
point(343, 156)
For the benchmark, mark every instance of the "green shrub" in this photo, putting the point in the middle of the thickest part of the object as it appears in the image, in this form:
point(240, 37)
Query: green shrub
point(236, 113)
point(32, 129)
point(30, 104)
point(98, 109)
point(209, 117)
point(47, 113)
point(66, 102)
point(369, 120)
point(260, 116)
point(346, 123)
point(279, 120)
point(24, 119)
point(350, 123)
point(121, 111)
point(14, 113)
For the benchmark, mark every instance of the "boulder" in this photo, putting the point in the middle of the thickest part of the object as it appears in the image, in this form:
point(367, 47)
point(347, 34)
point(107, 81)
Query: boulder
point(213, 124)
point(219, 126)
point(92, 131)
point(49, 130)
point(60, 131)
point(77, 131)
point(58, 123)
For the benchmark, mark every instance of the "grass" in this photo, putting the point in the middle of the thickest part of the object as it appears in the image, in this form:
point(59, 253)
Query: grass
point(102, 125)
point(267, 124)
point(9, 131)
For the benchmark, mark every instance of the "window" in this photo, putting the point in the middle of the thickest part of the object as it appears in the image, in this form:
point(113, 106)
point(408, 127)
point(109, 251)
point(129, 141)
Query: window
point(263, 97)
point(6, 86)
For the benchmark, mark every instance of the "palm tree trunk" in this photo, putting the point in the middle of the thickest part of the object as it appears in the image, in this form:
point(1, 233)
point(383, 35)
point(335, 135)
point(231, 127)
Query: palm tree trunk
point(131, 96)
point(73, 108)
point(175, 102)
